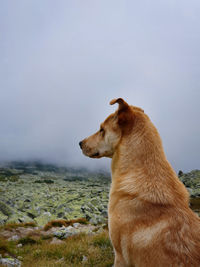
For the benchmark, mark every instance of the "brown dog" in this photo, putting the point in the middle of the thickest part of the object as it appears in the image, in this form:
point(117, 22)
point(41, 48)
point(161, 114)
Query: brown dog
point(150, 222)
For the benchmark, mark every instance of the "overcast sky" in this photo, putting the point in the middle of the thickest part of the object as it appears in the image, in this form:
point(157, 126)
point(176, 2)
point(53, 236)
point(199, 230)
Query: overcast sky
point(61, 62)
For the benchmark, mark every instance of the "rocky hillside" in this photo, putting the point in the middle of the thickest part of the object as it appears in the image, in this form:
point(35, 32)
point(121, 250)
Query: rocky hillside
point(41, 193)
point(41, 203)
point(192, 182)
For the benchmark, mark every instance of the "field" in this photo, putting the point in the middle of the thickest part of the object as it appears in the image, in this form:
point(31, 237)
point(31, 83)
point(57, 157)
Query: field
point(78, 250)
point(66, 211)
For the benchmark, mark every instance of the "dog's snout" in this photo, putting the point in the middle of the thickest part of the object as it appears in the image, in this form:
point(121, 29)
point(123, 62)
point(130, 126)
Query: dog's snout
point(80, 144)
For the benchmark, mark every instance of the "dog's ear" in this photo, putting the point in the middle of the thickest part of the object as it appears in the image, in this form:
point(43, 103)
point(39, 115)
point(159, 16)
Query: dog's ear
point(122, 104)
point(125, 114)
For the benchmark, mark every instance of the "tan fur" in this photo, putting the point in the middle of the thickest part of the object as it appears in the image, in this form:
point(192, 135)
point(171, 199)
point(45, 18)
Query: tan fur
point(150, 222)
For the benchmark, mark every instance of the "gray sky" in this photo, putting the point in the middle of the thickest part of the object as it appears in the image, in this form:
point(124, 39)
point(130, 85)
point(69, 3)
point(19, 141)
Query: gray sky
point(61, 62)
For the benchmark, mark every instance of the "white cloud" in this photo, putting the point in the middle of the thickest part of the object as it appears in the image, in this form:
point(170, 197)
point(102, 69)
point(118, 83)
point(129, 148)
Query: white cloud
point(62, 64)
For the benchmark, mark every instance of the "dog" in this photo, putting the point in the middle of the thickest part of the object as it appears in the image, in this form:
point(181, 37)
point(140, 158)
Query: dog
point(150, 222)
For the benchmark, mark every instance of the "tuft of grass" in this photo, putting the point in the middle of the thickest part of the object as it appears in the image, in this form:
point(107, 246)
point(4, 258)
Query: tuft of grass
point(3, 178)
point(13, 178)
point(14, 225)
point(28, 241)
point(47, 181)
point(46, 237)
point(102, 241)
point(78, 251)
point(3, 246)
point(6, 247)
point(59, 223)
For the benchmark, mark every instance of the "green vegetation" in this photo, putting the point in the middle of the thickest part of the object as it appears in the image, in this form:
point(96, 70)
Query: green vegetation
point(101, 241)
point(59, 223)
point(47, 193)
point(78, 251)
point(13, 178)
point(56, 197)
point(27, 241)
point(5, 209)
point(47, 181)
point(14, 225)
point(6, 247)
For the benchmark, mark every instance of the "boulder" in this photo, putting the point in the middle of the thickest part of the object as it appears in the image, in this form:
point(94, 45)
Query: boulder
point(14, 238)
point(3, 218)
point(65, 232)
point(6, 210)
point(10, 262)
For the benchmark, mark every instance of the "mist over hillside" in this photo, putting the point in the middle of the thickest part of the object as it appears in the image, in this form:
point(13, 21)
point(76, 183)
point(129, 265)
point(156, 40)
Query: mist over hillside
point(35, 166)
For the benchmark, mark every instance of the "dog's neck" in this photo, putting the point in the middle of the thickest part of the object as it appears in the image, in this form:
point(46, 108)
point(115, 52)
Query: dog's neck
point(139, 167)
point(141, 149)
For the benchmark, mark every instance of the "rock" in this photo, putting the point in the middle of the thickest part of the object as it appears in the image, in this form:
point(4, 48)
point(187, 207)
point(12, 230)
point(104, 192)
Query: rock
point(68, 209)
point(65, 232)
point(21, 220)
point(38, 211)
point(44, 218)
point(60, 214)
point(23, 231)
point(56, 241)
point(59, 234)
point(6, 234)
point(31, 215)
point(47, 213)
point(190, 191)
point(3, 218)
point(95, 202)
point(5, 209)
point(60, 260)
point(76, 225)
point(97, 220)
point(180, 173)
point(104, 213)
point(18, 217)
point(84, 258)
point(27, 200)
point(49, 232)
point(14, 238)
point(10, 262)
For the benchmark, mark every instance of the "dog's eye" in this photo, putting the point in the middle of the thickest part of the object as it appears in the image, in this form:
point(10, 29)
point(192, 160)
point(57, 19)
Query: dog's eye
point(101, 130)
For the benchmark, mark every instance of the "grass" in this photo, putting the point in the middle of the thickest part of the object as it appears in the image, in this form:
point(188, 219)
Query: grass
point(28, 240)
point(76, 251)
point(12, 178)
point(47, 181)
point(101, 241)
point(83, 250)
point(14, 225)
point(59, 223)
point(6, 247)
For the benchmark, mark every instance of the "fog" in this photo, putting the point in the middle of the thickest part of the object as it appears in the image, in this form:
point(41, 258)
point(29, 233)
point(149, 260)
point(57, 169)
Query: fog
point(63, 61)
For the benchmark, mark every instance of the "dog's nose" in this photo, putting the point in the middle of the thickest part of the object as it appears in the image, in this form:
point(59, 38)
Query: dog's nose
point(81, 144)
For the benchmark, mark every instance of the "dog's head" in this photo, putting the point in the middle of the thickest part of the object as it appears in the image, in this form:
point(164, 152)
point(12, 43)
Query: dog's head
point(104, 142)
